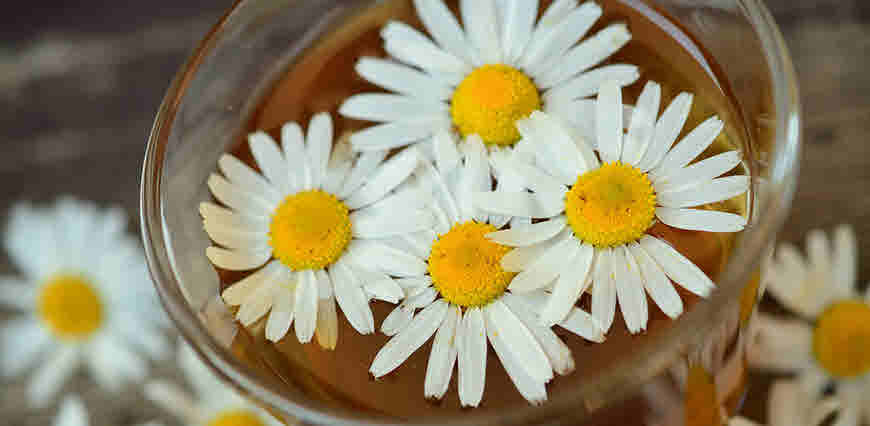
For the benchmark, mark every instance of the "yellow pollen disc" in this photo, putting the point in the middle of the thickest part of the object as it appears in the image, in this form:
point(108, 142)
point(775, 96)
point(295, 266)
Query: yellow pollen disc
point(610, 206)
point(490, 100)
point(841, 341)
point(70, 307)
point(466, 267)
point(310, 230)
point(236, 418)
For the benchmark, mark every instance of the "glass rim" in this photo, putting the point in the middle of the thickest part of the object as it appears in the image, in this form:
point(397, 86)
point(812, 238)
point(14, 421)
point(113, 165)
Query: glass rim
point(694, 324)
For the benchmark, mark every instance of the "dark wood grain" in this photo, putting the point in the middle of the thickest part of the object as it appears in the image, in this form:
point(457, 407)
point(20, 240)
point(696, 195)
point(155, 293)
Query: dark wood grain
point(80, 82)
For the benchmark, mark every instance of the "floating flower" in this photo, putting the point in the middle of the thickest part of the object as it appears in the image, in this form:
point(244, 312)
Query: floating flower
point(462, 291)
point(314, 220)
point(213, 403)
point(836, 348)
point(790, 405)
point(481, 79)
point(597, 209)
point(86, 297)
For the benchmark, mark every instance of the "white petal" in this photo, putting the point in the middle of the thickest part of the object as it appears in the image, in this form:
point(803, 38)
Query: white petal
point(237, 292)
point(270, 161)
point(213, 214)
point(237, 239)
point(351, 298)
point(584, 325)
point(677, 267)
point(642, 126)
point(402, 79)
point(531, 389)
point(667, 129)
point(701, 220)
point(604, 289)
point(411, 47)
point(381, 224)
point(258, 303)
point(657, 284)
point(587, 54)
point(113, 364)
point(173, 399)
point(702, 171)
point(390, 175)
point(561, 27)
point(588, 83)
point(397, 320)
point(691, 146)
point(367, 163)
point(522, 204)
point(517, 28)
point(519, 340)
point(783, 345)
point(711, 191)
point(573, 280)
point(386, 290)
point(443, 356)
point(340, 163)
point(443, 26)
point(385, 259)
point(844, 261)
point(24, 342)
point(51, 376)
point(293, 145)
point(629, 290)
point(547, 268)
point(446, 155)
point(580, 117)
point(556, 350)
point(521, 258)
point(528, 235)
point(536, 180)
point(387, 107)
point(318, 145)
point(306, 306)
point(609, 122)
point(556, 146)
point(422, 299)
point(245, 179)
point(480, 19)
point(472, 357)
point(327, 318)
point(283, 310)
point(237, 260)
point(238, 198)
point(16, 294)
point(72, 412)
point(400, 347)
point(476, 172)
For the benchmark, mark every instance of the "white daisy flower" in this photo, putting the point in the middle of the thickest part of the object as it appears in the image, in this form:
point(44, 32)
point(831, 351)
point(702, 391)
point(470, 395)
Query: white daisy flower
point(835, 348)
point(213, 403)
point(86, 298)
point(483, 78)
point(597, 209)
point(314, 220)
point(464, 302)
point(790, 405)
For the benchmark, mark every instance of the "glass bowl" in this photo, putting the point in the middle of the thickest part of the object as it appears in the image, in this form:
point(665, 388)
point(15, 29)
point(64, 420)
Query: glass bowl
point(212, 97)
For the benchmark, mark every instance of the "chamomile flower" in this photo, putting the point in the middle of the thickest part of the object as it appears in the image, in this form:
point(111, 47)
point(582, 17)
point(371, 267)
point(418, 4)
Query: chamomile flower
point(309, 217)
point(213, 403)
point(483, 78)
point(790, 405)
point(836, 348)
point(85, 297)
point(596, 209)
point(464, 299)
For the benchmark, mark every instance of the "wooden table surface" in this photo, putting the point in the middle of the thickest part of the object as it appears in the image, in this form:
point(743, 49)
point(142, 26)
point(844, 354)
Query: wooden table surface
point(81, 81)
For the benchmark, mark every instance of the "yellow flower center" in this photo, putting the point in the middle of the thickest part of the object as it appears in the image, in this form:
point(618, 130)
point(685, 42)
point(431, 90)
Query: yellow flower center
point(612, 205)
point(70, 307)
point(466, 267)
point(841, 341)
point(490, 100)
point(236, 418)
point(310, 230)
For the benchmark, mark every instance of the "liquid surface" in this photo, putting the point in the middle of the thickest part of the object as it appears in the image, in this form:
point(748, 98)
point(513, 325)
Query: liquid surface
point(324, 76)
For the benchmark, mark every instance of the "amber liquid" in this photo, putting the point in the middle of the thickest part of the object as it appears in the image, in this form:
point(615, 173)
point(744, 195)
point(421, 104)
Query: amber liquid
point(324, 76)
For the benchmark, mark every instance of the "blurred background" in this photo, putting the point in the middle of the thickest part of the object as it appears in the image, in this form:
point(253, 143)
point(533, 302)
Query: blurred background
point(80, 82)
